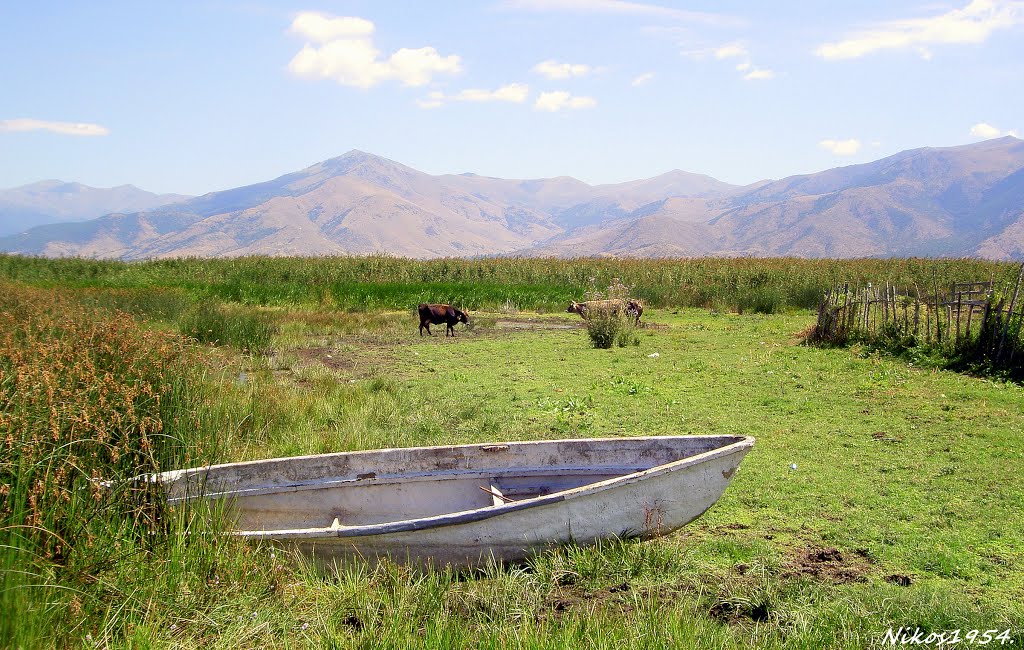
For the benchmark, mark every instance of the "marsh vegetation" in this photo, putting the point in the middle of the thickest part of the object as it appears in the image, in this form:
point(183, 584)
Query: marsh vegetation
point(883, 491)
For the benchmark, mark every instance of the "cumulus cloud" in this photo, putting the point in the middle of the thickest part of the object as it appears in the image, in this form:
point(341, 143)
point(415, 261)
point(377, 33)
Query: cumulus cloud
point(758, 74)
point(972, 24)
point(63, 128)
point(515, 93)
point(560, 99)
point(324, 29)
point(841, 147)
point(986, 131)
point(730, 51)
point(342, 49)
point(555, 70)
point(746, 67)
point(621, 7)
point(642, 79)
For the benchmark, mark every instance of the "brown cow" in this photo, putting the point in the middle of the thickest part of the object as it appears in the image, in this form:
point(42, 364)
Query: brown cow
point(634, 309)
point(631, 307)
point(438, 314)
point(584, 309)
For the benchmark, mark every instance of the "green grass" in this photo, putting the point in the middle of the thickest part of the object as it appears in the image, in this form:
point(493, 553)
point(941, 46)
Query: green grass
point(244, 328)
point(384, 282)
point(900, 471)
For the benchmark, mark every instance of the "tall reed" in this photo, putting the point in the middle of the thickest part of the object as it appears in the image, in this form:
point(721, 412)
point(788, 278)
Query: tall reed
point(89, 402)
point(386, 282)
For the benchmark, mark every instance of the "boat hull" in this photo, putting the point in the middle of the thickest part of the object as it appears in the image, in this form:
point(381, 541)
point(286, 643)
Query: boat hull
point(463, 498)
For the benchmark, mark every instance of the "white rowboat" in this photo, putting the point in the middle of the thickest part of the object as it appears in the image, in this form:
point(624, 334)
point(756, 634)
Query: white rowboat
point(462, 505)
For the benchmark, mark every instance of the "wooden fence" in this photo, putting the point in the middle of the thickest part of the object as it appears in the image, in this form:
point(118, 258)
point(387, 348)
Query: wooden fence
point(970, 315)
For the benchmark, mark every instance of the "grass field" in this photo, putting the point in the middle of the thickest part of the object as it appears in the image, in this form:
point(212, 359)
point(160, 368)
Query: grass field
point(879, 494)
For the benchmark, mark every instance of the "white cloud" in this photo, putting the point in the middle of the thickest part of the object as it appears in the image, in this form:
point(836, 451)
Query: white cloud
point(986, 131)
point(559, 99)
point(749, 71)
point(972, 24)
point(698, 54)
point(642, 79)
point(730, 51)
point(841, 147)
point(432, 100)
point(324, 29)
point(63, 128)
point(555, 70)
point(515, 93)
point(622, 7)
point(759, 74)
point(983, 130)
point(341, 48)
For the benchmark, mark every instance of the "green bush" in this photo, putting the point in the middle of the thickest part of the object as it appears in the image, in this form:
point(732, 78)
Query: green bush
point(603, 328)
point(627, 333)
point(607, 329)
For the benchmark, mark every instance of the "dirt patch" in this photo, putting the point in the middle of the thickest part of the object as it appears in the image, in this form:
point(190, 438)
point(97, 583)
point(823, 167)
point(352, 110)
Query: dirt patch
point(352, 621)
point(827, 565)
point(563, 599)
point(350, 364)
point(734, 611)
point(733, 526)
point(900, 580)
point(531, 324)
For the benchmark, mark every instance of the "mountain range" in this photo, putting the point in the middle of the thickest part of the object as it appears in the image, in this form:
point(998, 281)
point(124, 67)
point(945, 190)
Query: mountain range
point(954, 201)
point(55, 201)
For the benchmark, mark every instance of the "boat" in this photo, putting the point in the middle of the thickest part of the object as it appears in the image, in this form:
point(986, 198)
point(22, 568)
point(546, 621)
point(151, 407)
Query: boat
point(466, 505)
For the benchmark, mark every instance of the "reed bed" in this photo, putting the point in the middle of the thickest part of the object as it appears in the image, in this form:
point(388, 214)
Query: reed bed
point(89, 400)
point(385, 282)
point(91, 397)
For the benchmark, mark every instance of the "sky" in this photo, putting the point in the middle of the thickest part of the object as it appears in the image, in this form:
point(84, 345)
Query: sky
point(194, 97)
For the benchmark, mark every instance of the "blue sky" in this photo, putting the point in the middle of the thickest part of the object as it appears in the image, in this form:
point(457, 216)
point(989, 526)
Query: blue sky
point(194, 97)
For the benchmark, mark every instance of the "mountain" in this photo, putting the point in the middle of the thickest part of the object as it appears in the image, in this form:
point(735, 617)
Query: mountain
point(958, 201)
point(928, 201)
point(356, 203)
point(955, 201)
point(55, 201)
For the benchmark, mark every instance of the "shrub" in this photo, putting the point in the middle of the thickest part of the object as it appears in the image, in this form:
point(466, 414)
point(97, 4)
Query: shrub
point(627, 332)
point(603, 328)
point(606, 328)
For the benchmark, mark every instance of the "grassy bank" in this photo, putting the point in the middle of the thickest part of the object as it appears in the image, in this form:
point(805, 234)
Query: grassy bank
point(879, 494)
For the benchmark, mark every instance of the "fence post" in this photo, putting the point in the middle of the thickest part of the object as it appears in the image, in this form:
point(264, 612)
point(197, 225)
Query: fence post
point(1009, 316)
point(917, 312)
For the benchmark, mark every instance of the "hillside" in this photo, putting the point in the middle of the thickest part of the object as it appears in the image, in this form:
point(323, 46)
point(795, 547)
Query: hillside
point(54, 201)
point(955, 201)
